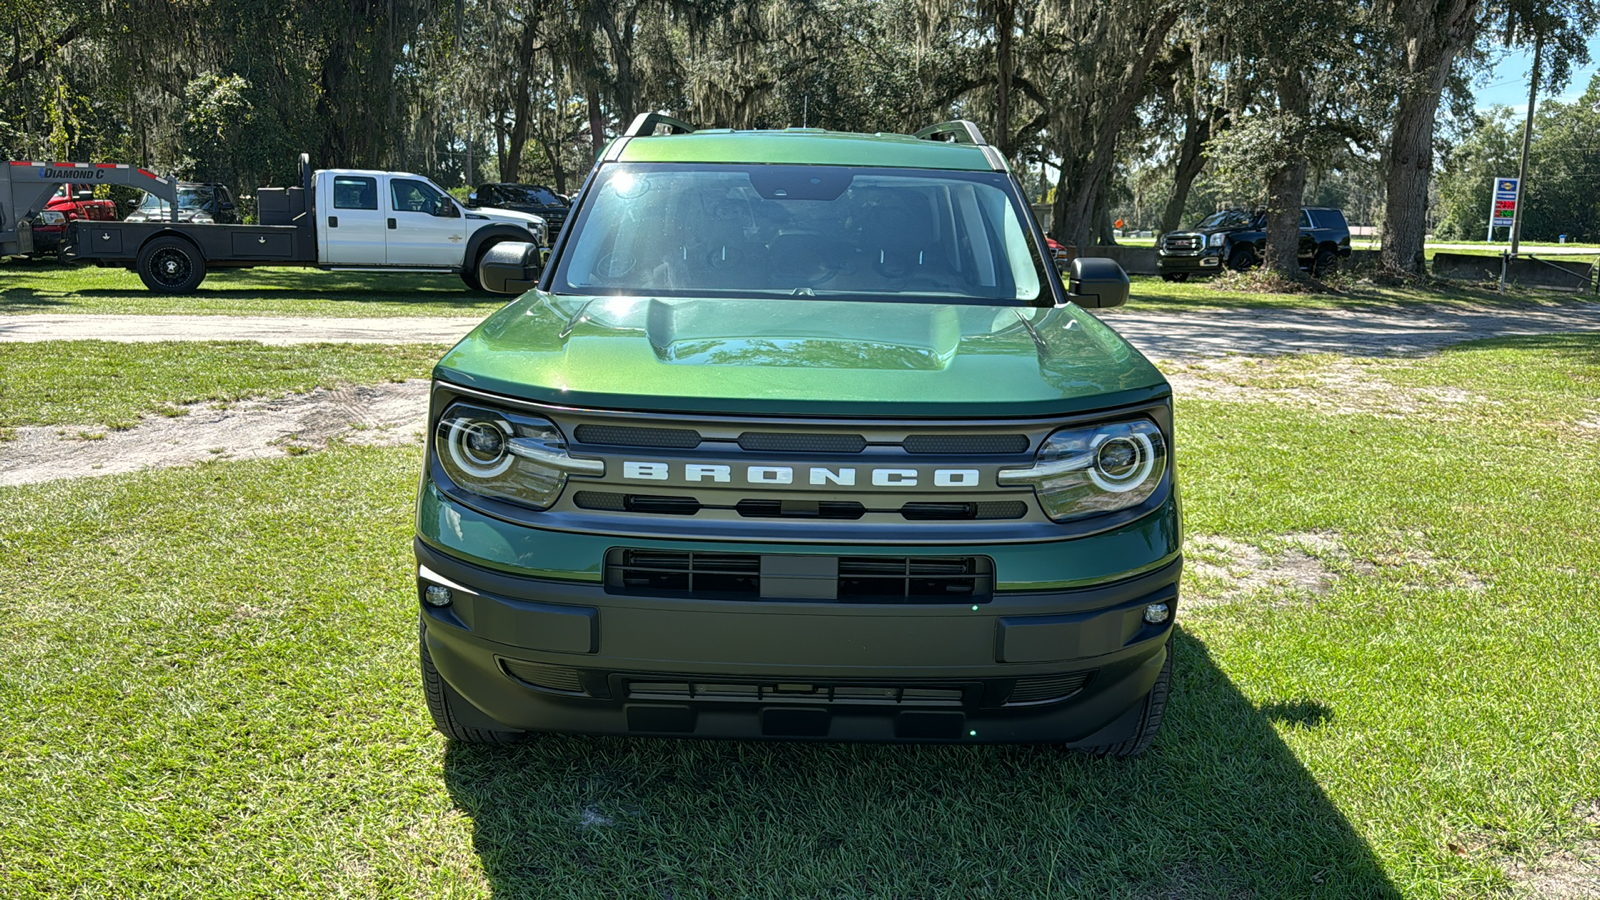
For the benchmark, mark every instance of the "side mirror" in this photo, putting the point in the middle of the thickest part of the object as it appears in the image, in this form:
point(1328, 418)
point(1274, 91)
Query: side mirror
point(510, 267)
point(83, 193)
point(447, 210)
point(472, 200)
point(1097, 283)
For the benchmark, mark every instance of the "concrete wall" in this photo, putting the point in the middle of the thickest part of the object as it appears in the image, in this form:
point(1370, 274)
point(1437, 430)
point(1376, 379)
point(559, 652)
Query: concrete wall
point(1524, 271)
point(1134, 260)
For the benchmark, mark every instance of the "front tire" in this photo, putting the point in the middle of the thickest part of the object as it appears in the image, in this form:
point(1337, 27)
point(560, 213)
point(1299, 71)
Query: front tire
point(444, 702)
point(1326, 263)
point(469, 271)
point(1242, 259)
point(171, 265)
point(1155, 705)
point(1175, 276)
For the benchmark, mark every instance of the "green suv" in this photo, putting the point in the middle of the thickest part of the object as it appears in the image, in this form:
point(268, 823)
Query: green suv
point(798, 434)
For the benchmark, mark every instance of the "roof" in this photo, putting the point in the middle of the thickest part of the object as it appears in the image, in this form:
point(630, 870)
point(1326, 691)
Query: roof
point(806, 146)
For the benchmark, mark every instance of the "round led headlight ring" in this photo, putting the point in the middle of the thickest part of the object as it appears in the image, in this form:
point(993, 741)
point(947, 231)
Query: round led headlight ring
point(478, 446)
point(1122, 463)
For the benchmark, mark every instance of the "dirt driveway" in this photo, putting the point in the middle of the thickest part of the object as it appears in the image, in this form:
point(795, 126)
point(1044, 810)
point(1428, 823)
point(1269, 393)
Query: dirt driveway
point(1161, 335)
point(1201, 345)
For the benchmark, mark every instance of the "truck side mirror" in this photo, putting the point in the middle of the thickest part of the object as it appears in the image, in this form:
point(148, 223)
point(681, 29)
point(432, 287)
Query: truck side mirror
point(472, 200)
point(510, 267)
point(447, 209)
point(1097, 283)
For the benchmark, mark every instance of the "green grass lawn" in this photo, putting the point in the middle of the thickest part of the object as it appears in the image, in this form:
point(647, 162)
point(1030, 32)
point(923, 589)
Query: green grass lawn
point(41, 287)
point(209, 686)
point(113, 384)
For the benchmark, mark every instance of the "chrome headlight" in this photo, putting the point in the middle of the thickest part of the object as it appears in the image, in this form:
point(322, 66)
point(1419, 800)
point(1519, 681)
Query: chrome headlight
point(1216, 240)
point(505, 456)
point(52, 217)
point(1094, 469)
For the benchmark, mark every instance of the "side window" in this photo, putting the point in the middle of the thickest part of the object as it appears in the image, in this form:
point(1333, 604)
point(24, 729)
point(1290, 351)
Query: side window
point(355, 192)
point(413, 196)
point(1305, 219)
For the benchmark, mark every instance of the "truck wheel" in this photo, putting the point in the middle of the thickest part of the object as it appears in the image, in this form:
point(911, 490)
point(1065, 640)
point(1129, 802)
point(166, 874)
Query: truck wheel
point(443, 702)
point(1241, 259)
point(1326, 263)
point(171, 265)
point(1155, 703)
point(469, 270)
point(1175, 276)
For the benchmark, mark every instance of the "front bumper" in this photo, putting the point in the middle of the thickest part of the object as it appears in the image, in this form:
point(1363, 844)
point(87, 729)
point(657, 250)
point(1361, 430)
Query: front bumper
point(1067, 666)
point(1208, 261)
point(47, 238)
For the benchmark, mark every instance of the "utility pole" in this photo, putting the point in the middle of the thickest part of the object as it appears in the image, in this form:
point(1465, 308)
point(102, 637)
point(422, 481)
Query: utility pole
point(1522, 168)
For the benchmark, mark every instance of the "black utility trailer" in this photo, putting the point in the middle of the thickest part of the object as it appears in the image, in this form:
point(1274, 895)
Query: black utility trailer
point(172, 257)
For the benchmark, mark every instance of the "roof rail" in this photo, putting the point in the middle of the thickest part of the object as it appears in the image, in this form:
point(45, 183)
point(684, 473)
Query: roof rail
point(644, 125)
point(960, 130)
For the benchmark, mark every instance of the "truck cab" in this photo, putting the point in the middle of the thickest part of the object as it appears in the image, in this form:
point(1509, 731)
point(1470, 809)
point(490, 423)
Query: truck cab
point(379, 219)
point(69, 204)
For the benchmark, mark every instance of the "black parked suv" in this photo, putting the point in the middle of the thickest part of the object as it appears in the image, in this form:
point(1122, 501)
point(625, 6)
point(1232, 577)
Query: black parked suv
point(529, 198)
point(1237, 239)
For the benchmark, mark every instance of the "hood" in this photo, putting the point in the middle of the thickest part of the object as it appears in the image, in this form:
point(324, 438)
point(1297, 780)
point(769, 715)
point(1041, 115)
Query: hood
point(507, 216)
point(801, 356)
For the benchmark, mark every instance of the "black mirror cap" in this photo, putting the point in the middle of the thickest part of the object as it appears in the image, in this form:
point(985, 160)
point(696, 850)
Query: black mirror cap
point(1097, 283)
point(472, 200)
point(510, 267)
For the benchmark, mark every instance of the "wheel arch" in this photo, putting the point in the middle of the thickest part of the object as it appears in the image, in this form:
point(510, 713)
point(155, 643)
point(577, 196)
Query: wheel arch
point(492, 234)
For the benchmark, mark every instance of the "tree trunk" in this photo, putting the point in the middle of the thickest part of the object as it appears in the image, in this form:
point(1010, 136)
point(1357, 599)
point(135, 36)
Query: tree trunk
point(1074, 214)
point(1285, 189)
point(1405, 209)
point(1004, 20)
point(1191, 160)
point(1434, 38)
point(597, 123)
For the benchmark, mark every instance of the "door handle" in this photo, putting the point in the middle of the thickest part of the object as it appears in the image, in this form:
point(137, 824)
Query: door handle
point(391, 224)
point(333, 221)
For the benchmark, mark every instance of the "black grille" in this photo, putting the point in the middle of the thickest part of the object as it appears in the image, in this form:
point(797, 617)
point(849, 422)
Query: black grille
point(800, 509)
point(681, 572)
point(862, 579)
point(798, 692)
point(802, 443)
point(916, 579)
point(636, 503)
point(553, 678)
point(931, 511)
point(1183, 242)
point(965, 444)
point(631, 436)
point(1047, 688)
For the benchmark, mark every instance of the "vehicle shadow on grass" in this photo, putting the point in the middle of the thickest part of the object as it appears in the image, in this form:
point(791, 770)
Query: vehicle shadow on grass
point(16, 300)
point(1218, 807)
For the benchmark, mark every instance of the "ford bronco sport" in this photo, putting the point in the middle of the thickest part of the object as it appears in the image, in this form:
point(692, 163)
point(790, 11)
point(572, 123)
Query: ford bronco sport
point(798, 434)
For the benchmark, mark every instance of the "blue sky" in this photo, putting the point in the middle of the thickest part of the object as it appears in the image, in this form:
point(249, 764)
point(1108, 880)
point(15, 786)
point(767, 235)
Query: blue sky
point(1508, 83)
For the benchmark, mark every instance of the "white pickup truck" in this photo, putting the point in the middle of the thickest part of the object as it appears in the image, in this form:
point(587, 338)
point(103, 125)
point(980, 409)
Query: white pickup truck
point(338, 219)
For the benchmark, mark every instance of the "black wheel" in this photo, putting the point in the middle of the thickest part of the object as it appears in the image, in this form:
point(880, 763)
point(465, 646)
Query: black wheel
point(171, 265)
point(1326, 263)
point(1175, 276)
point(444, 703)
point(1155, 704)
point(1241, 259)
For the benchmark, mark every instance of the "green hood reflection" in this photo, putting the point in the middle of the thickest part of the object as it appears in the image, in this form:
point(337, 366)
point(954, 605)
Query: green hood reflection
point(801, 356)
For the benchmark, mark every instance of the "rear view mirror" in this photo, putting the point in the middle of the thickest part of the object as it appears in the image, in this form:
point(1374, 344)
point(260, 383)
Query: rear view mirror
point(1097, 283)
point(510, 267)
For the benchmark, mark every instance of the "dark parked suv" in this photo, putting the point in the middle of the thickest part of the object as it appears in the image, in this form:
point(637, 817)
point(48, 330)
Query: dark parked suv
point(1237, 239)
point(528, 198)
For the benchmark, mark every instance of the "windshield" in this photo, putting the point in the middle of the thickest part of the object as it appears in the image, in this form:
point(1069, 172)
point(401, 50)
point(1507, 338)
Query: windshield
point(188, 199)
point(1228, 218)
point(880, 234)
point(531, 195)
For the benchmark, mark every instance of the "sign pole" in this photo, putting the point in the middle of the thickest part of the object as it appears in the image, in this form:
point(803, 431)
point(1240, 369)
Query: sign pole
point(1527, 137)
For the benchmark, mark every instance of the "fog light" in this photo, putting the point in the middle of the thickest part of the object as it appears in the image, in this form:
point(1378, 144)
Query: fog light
point(436, 595)
point(1210, 261)
point(1155, 613)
